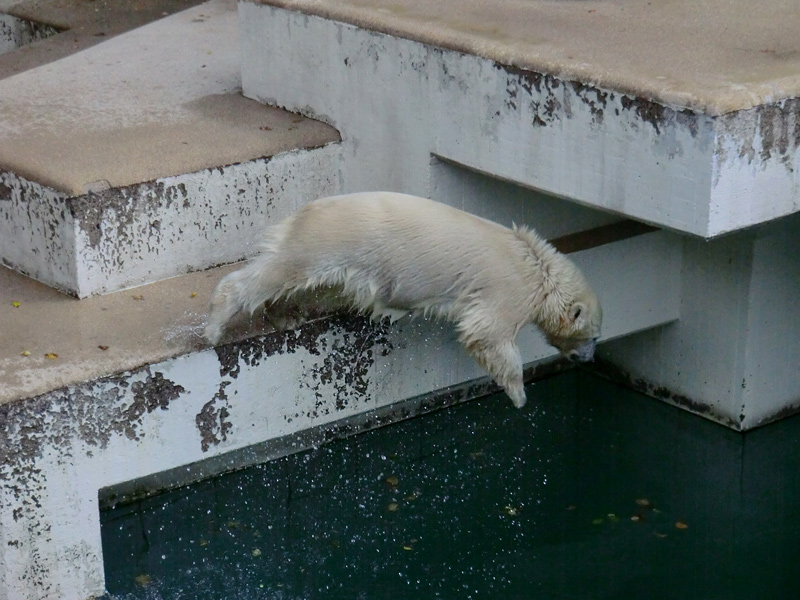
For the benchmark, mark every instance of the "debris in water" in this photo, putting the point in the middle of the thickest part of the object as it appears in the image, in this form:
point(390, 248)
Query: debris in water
point(194, 295)
point(681, 525)
point(256, 552)
point(51, 355)
point(392, 507)
point(25, 353)
point(103, 348)
point(143, 579)
point(138, 297)
point(392, 481)
point(512, 511)
point(16, 304)
point(644, 502)
point(597, 521)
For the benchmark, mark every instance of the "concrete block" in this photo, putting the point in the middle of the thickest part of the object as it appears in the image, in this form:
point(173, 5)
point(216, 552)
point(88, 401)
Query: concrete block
point(400, 99)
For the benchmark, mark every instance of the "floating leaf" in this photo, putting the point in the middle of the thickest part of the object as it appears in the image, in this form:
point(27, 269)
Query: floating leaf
point(659, 535)
point(256, 552)
point(572, 507)
point(51, 355)
point(194, 295)
point(25, 353)
point(103, 348)
point(597, 521)
point(636, 518)
point(681, 525)
point(643, 502)
point(143, 579)
point(138, 297)
point(392, 507)
point(392, 481)
point(512, 511)
point(15, 304)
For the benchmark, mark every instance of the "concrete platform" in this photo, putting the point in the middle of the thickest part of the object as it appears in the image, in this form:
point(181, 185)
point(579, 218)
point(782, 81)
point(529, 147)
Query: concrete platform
point(681, 114)
point(114, 174)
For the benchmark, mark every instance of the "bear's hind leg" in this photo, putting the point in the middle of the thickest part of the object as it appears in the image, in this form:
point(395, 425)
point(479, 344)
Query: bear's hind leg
point(245, 289)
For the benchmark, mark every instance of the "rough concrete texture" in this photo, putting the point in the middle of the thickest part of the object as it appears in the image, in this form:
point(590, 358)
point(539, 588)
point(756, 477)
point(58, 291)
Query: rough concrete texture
point(670, 166)
point(117, 172)
point(98, 118)
point(82, 25)
point(713, 56)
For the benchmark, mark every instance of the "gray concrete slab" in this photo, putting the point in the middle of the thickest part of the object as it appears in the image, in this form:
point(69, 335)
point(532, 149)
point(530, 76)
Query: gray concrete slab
point(713, 56)
point(83, 24)
point(50, 340)
point(99, 116)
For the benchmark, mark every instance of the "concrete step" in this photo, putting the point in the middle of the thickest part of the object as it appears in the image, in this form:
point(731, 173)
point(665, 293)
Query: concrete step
point(115, 173)
point(681, 114)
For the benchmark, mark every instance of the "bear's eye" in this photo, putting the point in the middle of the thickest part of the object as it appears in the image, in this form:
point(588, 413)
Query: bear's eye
point(577, 312)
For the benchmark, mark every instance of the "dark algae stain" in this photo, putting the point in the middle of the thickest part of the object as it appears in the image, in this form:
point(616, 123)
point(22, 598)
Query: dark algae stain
point(344, 347)
point(212, 420)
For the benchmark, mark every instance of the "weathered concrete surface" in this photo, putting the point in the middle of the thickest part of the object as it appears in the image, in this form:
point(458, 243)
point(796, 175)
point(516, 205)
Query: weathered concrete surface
point(16, 32)
point(624, 125)
point(711, 56)
point(734, 355)
point(156, 398)
point(114, 174)
point(98, 116)
point(82, 25)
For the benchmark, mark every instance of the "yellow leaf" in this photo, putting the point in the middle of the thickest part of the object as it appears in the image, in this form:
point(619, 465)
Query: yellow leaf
point(15, 304)
point(51, 355)
point(25, 353)
point(681, 525)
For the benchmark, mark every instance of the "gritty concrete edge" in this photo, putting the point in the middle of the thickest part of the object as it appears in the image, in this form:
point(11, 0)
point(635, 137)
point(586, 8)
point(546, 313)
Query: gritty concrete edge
point(314, 437)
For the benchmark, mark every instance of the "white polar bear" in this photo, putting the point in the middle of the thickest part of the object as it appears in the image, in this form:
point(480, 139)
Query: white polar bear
point(392, 254)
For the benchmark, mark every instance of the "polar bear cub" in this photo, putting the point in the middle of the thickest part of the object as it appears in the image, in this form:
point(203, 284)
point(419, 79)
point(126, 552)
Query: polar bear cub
point(392, 254)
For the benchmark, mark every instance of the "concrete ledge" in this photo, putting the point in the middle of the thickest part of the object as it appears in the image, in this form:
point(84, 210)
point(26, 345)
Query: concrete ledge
point(701, 56)
point(705, 139)
point(115, 174)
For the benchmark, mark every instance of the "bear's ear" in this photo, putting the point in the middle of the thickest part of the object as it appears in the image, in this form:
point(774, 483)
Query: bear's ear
point(576, 311)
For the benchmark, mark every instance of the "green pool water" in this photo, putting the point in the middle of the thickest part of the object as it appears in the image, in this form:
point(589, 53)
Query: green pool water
point(590, 491)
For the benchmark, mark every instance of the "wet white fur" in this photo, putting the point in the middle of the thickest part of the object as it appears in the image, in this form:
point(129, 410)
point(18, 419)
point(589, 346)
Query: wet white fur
point(392, 254)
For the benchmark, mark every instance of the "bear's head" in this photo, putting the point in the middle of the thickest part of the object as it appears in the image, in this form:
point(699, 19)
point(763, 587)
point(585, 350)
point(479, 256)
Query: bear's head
point(578, 327)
